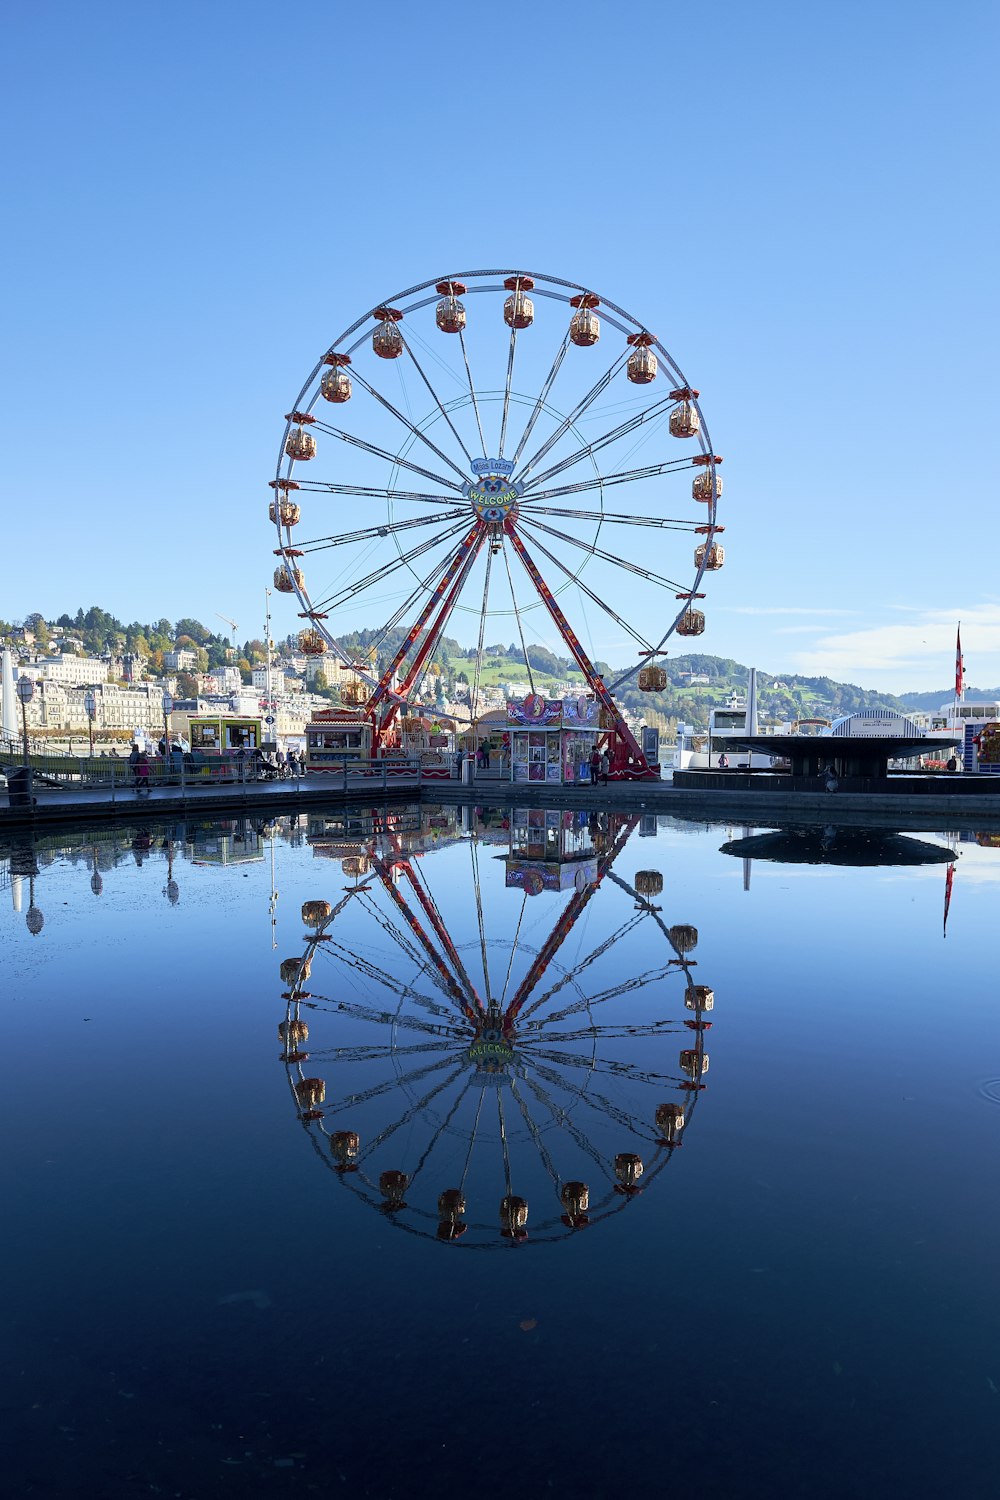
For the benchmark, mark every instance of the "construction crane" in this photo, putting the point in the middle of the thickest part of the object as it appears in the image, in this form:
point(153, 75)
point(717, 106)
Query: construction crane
point(230, 623)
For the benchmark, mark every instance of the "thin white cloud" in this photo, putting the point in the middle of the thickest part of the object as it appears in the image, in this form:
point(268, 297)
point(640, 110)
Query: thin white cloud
point(914, 654)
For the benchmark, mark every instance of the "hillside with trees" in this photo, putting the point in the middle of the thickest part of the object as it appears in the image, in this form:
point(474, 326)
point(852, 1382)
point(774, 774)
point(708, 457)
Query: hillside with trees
point(696, 682)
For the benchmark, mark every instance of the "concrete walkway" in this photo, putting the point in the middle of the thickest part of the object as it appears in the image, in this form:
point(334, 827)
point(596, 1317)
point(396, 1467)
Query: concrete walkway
point(933, 810)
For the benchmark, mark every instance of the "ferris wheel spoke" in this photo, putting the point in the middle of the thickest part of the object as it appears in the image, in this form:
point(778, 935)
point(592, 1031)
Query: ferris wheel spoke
point(575, 414)
point(370, 1054)
point(574, 975)
point(472, 388)
point(504, 1144)
point(617, 518)
point(437, 399)
point(482, 630)
point(472, 1134)
point(610, 1033)
point(593, 551)
point(520, 625)
point(352, 590)
point(596, 598)
point(414, 1110)
point(507, 385)
point(456, 565)
point(605, 481)
point(602, 1105)
point(422, 891)
point(650, 413)
point(466, 1003)
point(602, 1067)
point(377, 492)
point(588, 1002)
point(535, 1134)
point(543, 395)
point(401, 1080)
point(412, 952)
point(565, 1121)
point(371, 533)
point(383, 401)
point(392, 458)
point(514, 948)
point(386, 1018)
point(423, 585)
point(482, 926)
point(439, 1132)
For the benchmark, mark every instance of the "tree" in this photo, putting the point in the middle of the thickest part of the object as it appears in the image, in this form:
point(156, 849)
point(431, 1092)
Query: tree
point(187, 685)
point(195, 629)
point(36, 623)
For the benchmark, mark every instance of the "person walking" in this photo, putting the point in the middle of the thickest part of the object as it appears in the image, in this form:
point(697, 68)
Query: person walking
point(723, 761)
point(595, 765)
point(133, 761)
point(142, 772)
point(291, 760)
point(605, 765)
point(486, 755)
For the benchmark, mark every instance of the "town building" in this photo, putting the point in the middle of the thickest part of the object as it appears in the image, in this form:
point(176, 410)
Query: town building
point(181, 660)
point(67, 670)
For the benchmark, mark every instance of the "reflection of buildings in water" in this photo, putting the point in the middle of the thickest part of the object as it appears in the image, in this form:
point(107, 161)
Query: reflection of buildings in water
point(499, 1092)
point(237, 841)
point(838, 846)
point(24, 858)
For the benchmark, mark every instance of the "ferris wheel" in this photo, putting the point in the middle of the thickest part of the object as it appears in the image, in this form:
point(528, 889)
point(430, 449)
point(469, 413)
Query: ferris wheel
point(496, 1089)
point(479, 462)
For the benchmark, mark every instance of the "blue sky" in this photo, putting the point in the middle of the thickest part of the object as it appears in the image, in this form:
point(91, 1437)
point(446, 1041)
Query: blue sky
point(801, 203)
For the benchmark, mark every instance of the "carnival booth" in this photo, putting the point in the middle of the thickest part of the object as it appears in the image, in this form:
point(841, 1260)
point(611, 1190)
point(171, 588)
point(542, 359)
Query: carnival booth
point(552, 739)
point(212, 734)
point(335, 736)
point(432, 740)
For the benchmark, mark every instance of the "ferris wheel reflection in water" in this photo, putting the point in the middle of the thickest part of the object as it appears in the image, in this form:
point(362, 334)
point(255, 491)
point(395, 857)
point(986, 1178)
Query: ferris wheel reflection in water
point(525, 1103)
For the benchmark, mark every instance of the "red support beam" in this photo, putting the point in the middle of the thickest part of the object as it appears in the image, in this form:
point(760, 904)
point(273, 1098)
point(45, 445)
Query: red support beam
point(631, 763)
point(571, 914)
point(434, 633)
point(384, 872)
point(461, 553)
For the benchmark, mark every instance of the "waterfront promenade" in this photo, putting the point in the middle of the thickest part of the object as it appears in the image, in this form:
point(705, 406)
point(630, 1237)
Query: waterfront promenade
point(939, 801)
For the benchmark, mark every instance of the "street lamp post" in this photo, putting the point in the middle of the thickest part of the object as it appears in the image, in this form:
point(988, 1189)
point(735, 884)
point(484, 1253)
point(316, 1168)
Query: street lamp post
point(168, 708)
point(90, 705)
point(25, 691)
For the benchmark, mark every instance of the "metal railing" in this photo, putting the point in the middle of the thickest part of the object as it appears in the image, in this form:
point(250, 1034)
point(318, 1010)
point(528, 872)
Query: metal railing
point(191, 776)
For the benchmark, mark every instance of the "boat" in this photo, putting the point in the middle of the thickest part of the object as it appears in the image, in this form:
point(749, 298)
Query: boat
point(700, 751)
point(978, 722)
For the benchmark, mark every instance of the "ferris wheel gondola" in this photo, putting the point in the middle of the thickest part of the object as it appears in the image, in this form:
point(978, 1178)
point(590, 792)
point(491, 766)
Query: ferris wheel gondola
point(472, 464)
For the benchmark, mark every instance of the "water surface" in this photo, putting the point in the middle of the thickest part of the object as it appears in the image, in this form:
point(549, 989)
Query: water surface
point(286, 1230)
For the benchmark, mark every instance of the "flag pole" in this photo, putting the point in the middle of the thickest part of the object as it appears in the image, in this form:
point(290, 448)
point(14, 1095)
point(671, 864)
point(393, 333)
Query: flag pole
point(959, 686)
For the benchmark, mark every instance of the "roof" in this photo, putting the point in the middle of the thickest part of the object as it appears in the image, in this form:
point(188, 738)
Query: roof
point(824, 745)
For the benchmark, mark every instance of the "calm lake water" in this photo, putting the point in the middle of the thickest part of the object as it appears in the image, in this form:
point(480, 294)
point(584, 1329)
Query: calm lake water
point(550, 1154)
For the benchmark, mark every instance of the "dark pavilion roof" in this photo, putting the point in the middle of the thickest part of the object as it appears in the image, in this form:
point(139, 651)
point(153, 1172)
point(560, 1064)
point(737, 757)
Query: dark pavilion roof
point(838, 846)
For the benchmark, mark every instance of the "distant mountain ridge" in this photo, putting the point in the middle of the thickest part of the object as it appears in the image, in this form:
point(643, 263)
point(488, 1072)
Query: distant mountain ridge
point(931, 702)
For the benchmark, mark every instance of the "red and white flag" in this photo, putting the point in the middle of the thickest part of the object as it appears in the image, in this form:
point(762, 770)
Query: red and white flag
point(959, 664)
